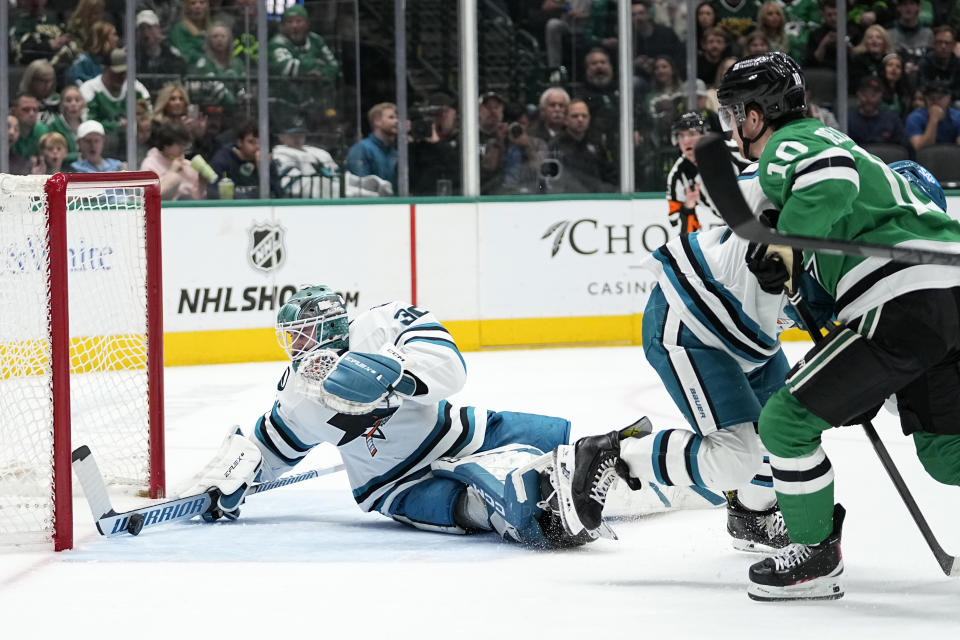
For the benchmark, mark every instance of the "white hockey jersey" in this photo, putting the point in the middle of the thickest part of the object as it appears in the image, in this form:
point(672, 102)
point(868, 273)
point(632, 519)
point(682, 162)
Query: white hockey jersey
point(704, 278)
point(390, 449)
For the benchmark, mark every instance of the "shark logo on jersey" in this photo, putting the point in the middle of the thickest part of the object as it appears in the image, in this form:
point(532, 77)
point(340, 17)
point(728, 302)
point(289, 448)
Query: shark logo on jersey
point(266, 251)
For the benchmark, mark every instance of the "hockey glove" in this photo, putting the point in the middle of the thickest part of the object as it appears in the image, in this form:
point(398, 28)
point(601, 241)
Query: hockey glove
point(776, 267)
point(355, 383)
point(228, 476)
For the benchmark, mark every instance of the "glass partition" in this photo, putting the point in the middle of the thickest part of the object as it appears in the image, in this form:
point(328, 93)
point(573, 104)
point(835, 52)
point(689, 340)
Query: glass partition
point(547, 100)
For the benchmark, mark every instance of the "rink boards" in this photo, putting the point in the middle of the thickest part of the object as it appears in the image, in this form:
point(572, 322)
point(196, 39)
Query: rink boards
point(498, 273)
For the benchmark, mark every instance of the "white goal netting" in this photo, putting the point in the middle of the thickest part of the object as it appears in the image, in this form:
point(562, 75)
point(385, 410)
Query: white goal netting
point(107, 285)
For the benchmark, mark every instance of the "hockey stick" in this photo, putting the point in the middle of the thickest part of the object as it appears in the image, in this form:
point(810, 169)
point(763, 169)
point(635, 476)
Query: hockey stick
point(949, 564)
point(716, 170)
point(110, 523)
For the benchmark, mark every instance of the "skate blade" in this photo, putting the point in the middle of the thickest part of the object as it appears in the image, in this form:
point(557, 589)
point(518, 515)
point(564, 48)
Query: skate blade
point(563, 468)
point(825, 588)
point(748, 546)
point(606, 531)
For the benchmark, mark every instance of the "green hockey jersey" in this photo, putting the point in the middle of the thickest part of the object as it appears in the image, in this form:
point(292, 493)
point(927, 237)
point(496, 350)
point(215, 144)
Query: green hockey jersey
point(826, 186)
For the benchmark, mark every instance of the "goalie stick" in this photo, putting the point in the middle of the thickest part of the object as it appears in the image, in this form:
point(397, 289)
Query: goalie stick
point(947, 562)
point(716, 170)
point(110, 523)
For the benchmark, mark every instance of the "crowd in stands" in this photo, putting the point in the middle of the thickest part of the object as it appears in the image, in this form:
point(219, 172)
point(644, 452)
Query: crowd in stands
point(194, 123)
point(196, 109)
point(902, 62)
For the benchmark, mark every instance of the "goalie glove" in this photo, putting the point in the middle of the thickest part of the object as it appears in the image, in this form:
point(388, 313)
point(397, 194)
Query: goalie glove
point(355, 383)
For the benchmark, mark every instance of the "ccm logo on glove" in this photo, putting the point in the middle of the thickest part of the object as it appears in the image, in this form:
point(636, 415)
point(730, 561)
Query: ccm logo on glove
point(362, 366)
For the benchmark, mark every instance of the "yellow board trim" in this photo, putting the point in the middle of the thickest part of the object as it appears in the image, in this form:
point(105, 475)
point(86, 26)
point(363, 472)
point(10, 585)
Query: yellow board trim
point(221, 347)
point(260, 345)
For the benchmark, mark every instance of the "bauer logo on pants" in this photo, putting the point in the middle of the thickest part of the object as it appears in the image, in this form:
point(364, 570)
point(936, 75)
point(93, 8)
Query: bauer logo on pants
point(267, 251)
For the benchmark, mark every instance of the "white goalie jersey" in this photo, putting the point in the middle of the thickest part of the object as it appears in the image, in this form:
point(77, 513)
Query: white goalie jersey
point(704, 278)
point(391, 448)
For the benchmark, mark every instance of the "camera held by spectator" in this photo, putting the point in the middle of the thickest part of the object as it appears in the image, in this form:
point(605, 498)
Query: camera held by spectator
point(430, 121)
point(421, 120)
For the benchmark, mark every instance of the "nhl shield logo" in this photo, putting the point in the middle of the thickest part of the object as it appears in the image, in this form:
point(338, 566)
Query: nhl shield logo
point(267, 251)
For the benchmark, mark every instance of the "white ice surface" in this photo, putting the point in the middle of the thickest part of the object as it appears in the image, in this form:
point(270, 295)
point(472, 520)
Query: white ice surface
point(304, 561)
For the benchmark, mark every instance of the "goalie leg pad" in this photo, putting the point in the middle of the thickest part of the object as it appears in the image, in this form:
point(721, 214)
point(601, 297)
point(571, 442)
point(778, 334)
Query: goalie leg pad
point(507, 479)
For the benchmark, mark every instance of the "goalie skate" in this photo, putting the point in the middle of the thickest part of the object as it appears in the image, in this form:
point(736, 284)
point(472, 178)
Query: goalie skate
point(800, 571)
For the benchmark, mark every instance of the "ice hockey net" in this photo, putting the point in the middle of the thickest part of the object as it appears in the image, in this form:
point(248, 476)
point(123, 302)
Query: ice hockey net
point(81, 355)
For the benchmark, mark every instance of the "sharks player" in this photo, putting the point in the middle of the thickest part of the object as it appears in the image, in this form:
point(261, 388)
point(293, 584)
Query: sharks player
point(375, 388)
point(711, 333)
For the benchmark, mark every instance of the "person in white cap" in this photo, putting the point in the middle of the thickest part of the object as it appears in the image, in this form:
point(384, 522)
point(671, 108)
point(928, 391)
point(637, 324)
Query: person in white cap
point(90, 137)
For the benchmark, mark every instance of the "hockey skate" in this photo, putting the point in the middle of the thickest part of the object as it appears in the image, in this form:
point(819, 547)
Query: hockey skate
point(583, 473)
point(550, 521)
point(800, 571)
point(755, 531)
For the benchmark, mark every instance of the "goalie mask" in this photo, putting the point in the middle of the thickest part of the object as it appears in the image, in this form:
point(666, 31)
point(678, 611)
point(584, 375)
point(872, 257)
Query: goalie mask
point(313, 318)
point(917, 175)
point(772, 83)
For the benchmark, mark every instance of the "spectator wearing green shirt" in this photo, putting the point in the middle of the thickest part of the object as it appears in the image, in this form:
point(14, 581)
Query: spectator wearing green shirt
point(106, 94)
point(226, 72)
point(188, 34)
point(35, 33)
point(297, 53)
point(26, 110)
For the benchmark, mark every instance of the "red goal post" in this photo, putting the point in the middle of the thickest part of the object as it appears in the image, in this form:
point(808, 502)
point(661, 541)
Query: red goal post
point(81, 343)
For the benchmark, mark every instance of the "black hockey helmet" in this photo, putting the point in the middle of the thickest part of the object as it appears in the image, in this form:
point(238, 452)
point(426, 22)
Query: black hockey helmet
point(773, 83)
point(691, 120)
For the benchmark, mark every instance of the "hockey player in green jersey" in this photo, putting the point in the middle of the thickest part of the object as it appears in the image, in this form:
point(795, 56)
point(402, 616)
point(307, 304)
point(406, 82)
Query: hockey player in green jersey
point(899, 324)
